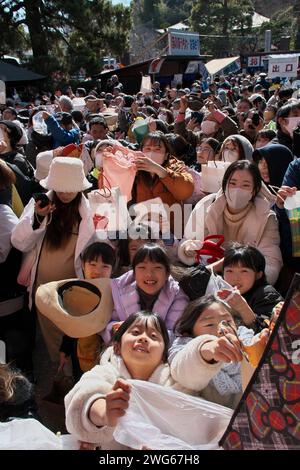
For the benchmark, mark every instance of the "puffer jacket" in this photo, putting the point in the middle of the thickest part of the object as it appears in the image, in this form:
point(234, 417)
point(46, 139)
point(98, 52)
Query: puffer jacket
point(169, 306)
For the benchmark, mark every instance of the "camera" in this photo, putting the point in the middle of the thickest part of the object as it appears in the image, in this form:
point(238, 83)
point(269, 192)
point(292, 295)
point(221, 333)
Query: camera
point(43, 198)
point(255, 119)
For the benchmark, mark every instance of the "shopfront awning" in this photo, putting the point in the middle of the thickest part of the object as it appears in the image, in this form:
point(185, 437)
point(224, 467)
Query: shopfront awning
point(13, 73)
point(217, 65)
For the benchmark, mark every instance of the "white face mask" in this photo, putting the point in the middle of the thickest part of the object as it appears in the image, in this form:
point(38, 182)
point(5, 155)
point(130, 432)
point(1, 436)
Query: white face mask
point(156, 157)
point(208, 127)
point(238, 198)
point(230, 155)
point(175, 113)
point(292, 124)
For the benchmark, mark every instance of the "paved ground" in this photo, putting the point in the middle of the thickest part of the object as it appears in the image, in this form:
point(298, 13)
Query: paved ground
point(52, 415)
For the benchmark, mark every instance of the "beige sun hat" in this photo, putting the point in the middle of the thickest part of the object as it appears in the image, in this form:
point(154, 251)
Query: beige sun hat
point(79, 308)
point(66, 175)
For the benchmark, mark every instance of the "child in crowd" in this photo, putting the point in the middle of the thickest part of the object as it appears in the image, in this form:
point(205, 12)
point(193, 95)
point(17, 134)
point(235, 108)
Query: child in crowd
point(252, 299)
point(101, 397)
point(142, 235)
point(148, 286)
point(98, 261)
point(264, 137)
point(16, 395)
point(204, 360)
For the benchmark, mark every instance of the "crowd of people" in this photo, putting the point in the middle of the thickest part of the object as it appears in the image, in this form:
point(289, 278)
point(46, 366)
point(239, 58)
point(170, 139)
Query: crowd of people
point(222, 160)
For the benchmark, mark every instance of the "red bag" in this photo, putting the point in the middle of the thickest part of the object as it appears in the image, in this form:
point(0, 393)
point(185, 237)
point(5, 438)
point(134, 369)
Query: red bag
point(211, 251)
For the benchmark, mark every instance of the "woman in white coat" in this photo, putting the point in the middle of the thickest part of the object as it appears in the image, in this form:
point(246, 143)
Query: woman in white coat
point(53, 234)
point(240, 211)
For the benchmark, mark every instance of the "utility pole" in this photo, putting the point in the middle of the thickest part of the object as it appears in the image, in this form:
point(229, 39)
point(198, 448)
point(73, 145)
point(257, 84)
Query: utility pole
point(225, 28)
point(297, 16)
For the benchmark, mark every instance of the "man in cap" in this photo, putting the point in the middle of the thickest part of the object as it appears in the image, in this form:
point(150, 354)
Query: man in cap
point(93, 104)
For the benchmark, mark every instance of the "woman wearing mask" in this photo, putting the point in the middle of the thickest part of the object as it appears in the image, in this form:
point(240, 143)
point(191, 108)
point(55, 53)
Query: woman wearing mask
point(215, 124)
point(240, 211)
point(55, 234)
point(287, 120)
point(159, 174)
point(236, 147)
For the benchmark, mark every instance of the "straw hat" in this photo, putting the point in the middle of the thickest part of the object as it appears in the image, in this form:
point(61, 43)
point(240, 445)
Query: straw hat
point(79, 308)
point(66, 175)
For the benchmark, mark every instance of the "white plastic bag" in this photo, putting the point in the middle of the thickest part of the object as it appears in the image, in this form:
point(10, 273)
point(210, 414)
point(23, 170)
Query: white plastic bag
point(146, 86)
point(292, 202)
point(161, 418)
point(212, 175)
point(110, 209)
point(30, 434)
point(39, 124)
point(216, 283)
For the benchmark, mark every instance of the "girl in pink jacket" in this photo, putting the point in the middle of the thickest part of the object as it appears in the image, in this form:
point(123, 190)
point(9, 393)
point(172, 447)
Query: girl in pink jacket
point(148, 286)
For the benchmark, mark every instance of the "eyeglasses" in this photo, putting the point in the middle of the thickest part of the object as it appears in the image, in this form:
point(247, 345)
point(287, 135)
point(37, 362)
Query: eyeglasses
point(203, 149)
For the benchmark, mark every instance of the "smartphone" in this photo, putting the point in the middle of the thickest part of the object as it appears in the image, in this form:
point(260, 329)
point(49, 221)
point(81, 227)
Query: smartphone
point(43, 198)
point(197, 115)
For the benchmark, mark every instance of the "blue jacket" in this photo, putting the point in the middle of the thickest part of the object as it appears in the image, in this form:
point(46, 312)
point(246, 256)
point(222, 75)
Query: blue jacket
point(291, 179)
point(61, 136)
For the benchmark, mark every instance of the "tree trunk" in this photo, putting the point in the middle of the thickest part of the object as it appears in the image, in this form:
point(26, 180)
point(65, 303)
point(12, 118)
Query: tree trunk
point(38, 37)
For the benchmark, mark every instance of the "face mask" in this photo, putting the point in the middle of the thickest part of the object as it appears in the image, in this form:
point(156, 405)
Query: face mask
point(126, 109)
point(175, 113)
point(157, 157)
point(238, 198)
point(208, 127)
point(230, 155)
point(292, 124)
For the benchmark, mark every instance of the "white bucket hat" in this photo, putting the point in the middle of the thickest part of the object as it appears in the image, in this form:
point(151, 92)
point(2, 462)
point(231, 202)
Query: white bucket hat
point(79, 308)
point(66, 175)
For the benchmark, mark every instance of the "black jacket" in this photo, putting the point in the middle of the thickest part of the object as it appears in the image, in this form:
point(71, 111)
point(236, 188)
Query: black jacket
point(262, 298)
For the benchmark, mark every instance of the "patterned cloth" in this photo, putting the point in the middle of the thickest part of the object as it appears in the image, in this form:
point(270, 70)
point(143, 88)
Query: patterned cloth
point(294, 218)
point(268, 415)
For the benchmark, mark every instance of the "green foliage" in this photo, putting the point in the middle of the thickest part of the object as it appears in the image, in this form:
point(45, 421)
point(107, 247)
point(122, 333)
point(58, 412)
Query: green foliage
point(225, 19)
point(281, 24)
point(65, 34)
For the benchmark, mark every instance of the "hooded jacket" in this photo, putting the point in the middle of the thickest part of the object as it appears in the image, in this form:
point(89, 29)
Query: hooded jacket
point(278, 158)
point(247, 146)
